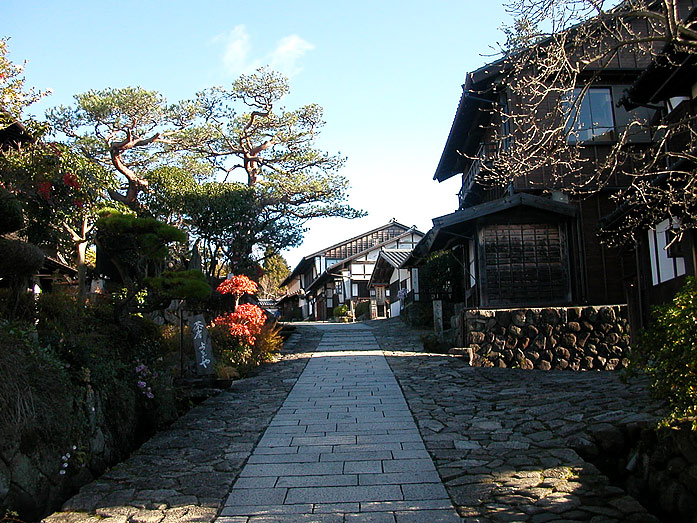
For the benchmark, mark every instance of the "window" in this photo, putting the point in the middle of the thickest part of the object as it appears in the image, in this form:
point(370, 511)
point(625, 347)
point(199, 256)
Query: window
point(524, 264)
point(593, 119)
point(666, 264)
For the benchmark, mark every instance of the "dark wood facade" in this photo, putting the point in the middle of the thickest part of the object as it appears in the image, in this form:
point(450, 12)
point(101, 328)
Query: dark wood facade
point(543, 249)
point(524, 263)
point(653, 271)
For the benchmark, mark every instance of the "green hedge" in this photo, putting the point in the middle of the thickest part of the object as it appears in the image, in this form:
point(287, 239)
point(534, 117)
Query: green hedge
point(667, 352)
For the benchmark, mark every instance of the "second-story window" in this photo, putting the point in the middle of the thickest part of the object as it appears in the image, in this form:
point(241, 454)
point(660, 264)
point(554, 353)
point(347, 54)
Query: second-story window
point(594, 119)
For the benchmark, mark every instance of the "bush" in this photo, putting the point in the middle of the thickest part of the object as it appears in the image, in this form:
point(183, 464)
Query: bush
point(99, 352)
point(235, 337)
point(35, 390)
point(268, 343)
point(231, 351)
point(19, 258)
point(11, 216)
point(667, 352)
point(244, 324)
point(440, 275)
point(341, 311)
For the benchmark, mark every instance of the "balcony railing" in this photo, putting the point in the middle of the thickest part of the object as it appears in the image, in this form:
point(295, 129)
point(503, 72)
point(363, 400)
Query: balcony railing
point(486, 151)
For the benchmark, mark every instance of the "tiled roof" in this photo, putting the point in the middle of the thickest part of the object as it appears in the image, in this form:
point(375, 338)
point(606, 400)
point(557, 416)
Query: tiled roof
point(395, 257)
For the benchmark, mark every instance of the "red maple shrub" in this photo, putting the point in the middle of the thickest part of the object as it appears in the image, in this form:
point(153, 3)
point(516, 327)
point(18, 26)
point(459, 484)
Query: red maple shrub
point(244, 324)
point(237, 286)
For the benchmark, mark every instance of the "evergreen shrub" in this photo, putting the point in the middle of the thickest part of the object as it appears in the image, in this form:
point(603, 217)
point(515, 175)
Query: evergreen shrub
point(667, 352)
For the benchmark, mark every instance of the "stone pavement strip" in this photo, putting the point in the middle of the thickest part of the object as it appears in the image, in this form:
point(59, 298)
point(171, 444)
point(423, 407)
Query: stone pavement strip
point(342, 448)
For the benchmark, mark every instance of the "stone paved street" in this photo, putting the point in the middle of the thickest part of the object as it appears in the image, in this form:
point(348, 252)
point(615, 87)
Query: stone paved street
point(503, 439)
point(344, 446)
point(326, 434)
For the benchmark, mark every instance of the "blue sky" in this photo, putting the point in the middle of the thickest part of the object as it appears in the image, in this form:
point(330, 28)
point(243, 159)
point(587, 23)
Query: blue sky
point(388, 74)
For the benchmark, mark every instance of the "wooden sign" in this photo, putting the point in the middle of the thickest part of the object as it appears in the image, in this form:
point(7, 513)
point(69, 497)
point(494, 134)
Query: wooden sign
point(202, 345)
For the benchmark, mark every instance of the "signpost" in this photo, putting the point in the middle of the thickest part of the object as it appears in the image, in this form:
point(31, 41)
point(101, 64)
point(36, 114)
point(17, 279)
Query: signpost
point(202, 345)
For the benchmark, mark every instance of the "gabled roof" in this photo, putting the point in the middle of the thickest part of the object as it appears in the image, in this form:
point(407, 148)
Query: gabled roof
point(347, 248)
point(502, 204)
point(388, 260)
point(671, 73)
point(340, 264)
point(470, 118)
point(395, 257)
point(442, 233)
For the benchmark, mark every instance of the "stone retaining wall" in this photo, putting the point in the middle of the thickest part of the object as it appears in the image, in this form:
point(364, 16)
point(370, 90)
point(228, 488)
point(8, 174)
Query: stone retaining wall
point(657, 466)
point(574, 338)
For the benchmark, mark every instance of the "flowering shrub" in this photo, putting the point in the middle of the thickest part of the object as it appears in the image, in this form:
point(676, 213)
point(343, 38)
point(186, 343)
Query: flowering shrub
point(71, 180)
point(237, 286)
point(144, 374)
point(44, 190)
point(231, 352)
point(244, 324)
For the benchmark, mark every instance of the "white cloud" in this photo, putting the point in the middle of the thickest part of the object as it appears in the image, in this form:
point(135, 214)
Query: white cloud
point(287, 53)
point(236, 53)
point(238, 59)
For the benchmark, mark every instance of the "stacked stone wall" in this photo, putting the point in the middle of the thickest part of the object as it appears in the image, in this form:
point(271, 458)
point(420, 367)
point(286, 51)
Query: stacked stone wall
point(657, 466)
point(573, 338)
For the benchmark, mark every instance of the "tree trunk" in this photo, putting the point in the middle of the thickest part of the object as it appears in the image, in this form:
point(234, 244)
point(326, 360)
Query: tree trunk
point(81, 257)
point(81, 268)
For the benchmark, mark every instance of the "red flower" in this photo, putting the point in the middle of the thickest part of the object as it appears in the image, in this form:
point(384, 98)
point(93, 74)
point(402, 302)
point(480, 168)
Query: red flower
point(44, 190)
point(70, 180)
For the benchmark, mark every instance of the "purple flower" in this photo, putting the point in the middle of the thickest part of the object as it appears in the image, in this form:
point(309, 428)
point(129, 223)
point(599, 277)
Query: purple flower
point(140, 368)
point(142, 384)
point(150, 395)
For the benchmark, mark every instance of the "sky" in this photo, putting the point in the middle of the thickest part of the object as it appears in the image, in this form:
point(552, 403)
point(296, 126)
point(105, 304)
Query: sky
point(388, 74)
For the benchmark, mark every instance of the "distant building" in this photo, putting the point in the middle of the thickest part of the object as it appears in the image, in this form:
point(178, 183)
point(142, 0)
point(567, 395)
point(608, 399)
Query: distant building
point(392, 282)
point(339, 274)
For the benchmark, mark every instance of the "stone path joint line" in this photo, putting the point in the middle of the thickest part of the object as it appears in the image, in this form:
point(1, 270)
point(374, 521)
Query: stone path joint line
point(343, 447)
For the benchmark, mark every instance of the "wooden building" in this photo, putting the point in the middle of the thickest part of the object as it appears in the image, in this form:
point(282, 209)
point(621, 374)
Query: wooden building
point(531, 243)
point(339, 274)
point(658, 262)
point(391, 282)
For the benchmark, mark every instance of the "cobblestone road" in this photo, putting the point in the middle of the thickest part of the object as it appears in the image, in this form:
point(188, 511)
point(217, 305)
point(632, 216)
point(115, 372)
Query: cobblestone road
point(501, 441)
